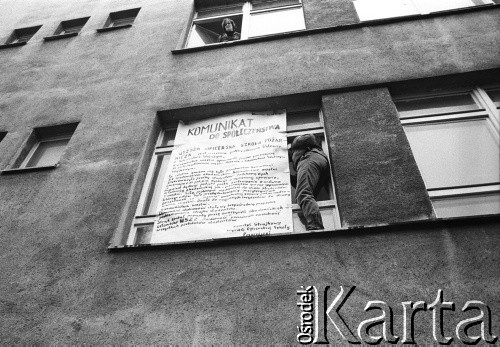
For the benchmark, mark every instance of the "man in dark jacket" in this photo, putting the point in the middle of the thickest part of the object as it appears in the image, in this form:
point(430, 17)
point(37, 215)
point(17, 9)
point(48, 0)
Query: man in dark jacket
point(229, 29)
point(313, 171)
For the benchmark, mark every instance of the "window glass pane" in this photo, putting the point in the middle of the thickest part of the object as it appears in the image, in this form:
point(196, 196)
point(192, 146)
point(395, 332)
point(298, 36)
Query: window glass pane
point(219, 11)
point(494, 94)
point(122, 21)
point(143, 234)
point(436, 105)
point(327, 215)
point(272, 22)
point(153, 197)
point(302, 118)
point(455, 153)
point(70, 30)
point(48, 153)
point(169, 138)
point(440, 5)
point(377, 9)
point(467, 205)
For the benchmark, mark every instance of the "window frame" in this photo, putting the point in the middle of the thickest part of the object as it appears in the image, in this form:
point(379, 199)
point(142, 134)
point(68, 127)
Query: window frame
point(162, 147)
point(486, 110)
point(246, 12)
point(418, 8)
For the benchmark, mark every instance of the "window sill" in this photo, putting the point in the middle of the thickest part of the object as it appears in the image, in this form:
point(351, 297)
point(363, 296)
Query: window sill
point(11, 45)
point(28, 169)
point(59, 37)
point(363, 24)
point(359, 230)
point(101, 30)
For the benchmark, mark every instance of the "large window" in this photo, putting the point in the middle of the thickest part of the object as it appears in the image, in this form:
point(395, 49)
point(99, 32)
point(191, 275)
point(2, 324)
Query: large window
point(251, 18)
point(305, 121)
point(378, 9)
point(455, 141)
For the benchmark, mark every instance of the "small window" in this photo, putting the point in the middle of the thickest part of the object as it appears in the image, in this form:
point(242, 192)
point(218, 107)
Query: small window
point(20, 36)
point(120, 19)
point(68, 28)
point(71, 26)
point(46, 146)
point(455, 141)
point(162, 169)
point(379, 9)
point(249, 19)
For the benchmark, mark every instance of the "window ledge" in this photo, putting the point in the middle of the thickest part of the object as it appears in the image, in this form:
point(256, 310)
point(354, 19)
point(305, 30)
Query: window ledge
point(363, 24)
point(28, 169)
point(11, 45)
point(370, 229)
point(101, 30)
point(58, 37)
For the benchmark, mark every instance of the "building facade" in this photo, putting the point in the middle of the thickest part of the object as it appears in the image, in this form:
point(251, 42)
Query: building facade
point(404, 96)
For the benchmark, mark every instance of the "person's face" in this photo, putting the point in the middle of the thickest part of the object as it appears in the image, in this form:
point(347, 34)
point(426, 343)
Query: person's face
point(228, 27)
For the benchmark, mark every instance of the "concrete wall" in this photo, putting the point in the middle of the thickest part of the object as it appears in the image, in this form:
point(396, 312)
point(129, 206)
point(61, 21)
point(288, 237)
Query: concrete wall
point(58, 283)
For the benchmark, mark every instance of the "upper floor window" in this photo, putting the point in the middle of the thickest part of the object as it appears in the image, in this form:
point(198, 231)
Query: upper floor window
point(222, 21)
point(68, 28)
point(243, 179)
point(72, 26)
point(378, 9)
point(21, 36)
point(120, 19)
point(455, 140)
point(46, 146)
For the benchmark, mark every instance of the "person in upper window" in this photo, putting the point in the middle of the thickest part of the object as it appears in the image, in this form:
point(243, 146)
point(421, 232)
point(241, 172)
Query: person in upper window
point(229, 29)
point(313, 171)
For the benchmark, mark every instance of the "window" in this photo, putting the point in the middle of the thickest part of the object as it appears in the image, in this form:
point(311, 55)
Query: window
point(252, 19)
point(21, 36)
point(378, 9)
point(305, 121)
point(68, 28)
point(455, 140)
point(120, 19)
point(46, 146)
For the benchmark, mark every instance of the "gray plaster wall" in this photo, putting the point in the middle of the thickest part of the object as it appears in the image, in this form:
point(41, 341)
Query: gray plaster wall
point(58, 282)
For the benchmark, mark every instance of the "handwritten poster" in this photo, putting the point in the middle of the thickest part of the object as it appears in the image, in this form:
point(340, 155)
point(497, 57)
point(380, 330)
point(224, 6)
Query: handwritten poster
point(227, 177)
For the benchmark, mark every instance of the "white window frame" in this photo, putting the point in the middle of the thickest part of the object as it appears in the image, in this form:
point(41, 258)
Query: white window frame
point(246, 13)
point(486, 110)
point(140, 219)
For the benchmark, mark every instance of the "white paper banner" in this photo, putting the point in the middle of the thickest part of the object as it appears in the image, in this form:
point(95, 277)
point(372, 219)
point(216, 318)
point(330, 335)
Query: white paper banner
point(228, 177)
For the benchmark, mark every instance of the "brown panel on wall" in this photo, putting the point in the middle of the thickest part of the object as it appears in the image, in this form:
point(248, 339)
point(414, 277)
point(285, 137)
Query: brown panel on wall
point(375, 174)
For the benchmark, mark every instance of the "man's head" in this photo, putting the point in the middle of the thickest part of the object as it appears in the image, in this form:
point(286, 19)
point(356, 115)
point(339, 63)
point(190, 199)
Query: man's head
point(228, 25)
point(306, 141)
